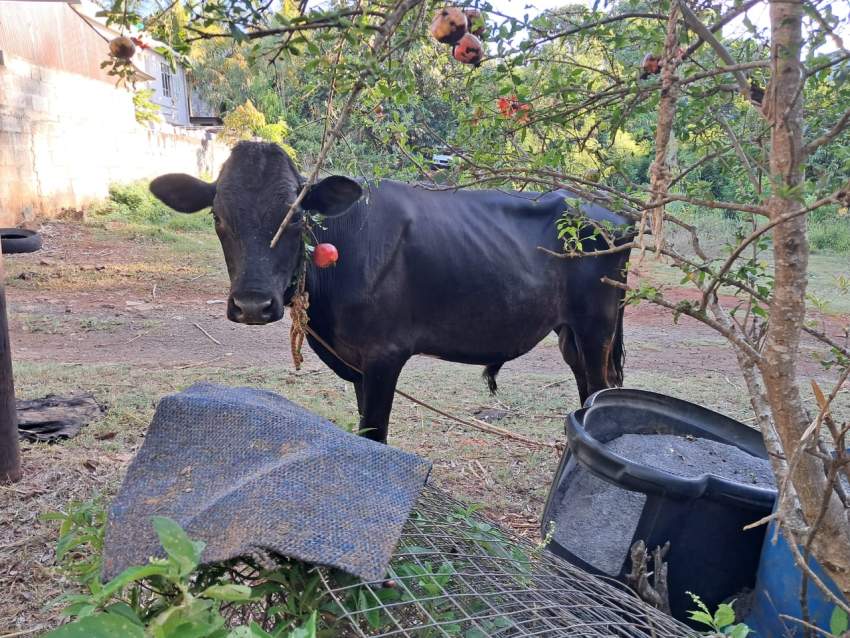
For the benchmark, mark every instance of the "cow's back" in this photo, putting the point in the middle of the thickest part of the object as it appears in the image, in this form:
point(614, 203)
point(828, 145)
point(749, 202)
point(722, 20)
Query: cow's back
point(455, 274)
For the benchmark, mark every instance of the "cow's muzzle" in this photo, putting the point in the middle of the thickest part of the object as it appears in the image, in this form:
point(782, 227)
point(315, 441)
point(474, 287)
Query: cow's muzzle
point(254, 308)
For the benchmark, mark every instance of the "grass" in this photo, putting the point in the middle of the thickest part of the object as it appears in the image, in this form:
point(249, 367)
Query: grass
point(825, 273)
point(62, 325)
point(828, 231)
point(68, 277)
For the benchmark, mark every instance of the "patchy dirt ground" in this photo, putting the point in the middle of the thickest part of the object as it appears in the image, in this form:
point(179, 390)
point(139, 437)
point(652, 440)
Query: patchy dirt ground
point(131, 318)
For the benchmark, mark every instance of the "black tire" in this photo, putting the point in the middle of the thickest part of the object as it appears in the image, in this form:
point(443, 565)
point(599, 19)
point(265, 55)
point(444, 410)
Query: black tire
point(18, 240)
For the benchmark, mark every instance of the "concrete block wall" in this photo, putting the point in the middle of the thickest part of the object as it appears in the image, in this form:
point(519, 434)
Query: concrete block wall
point(65, 138)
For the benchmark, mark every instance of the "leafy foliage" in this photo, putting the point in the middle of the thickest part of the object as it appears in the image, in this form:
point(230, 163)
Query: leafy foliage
point(721, 622)
point(245, 122)
point(146, 110)
point(173, 597)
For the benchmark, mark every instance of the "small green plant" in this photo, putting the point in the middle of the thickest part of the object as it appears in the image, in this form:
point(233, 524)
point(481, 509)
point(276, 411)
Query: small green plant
point(721, 623)
point(81, 529)
point(97, 324)
point(173, 597)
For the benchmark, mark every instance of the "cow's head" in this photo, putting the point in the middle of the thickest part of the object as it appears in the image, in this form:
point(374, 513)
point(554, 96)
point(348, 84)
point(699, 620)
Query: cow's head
point(255, 189)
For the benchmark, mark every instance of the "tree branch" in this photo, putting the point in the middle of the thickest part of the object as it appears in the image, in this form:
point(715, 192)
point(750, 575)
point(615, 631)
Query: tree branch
point(840, 126)
point(705, 33)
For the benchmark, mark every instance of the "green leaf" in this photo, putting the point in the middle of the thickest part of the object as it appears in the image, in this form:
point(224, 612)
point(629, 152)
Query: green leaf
point(254, 631)
point(79, 609)
point(702, 618)
point(724, 616)
point(738, 631)
point(179, 547)
point(197, 618)
point(124, 610)
point(838, 622)
point(227, 592)
point(66, 543)
point(130, 575)
point(99, 626)
point(307, 630)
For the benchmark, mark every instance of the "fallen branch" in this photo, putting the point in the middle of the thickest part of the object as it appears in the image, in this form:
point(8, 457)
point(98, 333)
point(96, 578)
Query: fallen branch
point(208, 335)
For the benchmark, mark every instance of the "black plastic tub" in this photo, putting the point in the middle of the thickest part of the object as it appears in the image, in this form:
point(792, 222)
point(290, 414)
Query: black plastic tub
point(603, 502)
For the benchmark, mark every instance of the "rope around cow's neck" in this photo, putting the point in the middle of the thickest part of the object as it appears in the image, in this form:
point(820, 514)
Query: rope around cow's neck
point(298, 312)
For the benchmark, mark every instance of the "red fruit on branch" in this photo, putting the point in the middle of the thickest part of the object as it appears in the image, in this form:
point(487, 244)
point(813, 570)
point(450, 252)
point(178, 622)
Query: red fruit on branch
point(325, 255)
point(512, 107)
point(140, 43)
point(469, 50)
point(122, 47)
point(651, 65)
point(449, 25)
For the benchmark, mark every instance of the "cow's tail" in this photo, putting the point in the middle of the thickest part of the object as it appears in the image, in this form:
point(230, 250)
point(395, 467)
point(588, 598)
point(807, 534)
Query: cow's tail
point(489, 375)
point(618, 349)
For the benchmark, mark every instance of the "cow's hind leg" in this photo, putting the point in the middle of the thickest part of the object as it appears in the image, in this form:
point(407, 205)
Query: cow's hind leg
point(571, 354)
point(378, 390)
point(595, 343)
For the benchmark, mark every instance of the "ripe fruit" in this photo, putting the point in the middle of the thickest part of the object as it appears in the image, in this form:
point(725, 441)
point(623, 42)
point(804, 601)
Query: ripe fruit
point(122, 47)
point(449, 25)
point(140, 43)
point(469, 50)
point(325, 255)
point(475, 19)
point(651, 65)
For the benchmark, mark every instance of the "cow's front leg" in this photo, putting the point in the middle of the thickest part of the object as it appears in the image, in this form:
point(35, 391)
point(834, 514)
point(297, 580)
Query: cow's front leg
point(358, 392)
point(378, 388)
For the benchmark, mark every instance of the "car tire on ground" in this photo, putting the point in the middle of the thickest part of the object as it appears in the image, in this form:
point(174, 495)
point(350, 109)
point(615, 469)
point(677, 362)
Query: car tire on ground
point(18, 240)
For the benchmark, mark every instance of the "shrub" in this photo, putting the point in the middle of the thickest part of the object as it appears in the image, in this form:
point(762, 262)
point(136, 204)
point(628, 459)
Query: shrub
point(133, 203)
point(832, 235)
point(245, 122)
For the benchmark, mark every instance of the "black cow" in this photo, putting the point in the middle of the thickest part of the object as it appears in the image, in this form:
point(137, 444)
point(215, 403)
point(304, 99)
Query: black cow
point(452, 274)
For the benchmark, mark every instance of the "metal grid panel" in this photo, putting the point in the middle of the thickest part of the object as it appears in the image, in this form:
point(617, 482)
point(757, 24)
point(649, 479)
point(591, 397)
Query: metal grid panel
point(456, 574)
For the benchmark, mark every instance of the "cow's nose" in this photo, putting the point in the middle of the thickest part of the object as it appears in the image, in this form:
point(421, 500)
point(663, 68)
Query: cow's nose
point(255, 309)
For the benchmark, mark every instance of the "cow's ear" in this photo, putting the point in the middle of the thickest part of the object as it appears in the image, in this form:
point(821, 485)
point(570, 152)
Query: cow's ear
point(183, 193)
point(332, 196)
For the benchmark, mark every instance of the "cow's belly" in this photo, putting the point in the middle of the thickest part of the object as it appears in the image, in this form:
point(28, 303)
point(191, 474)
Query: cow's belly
point(468, 337)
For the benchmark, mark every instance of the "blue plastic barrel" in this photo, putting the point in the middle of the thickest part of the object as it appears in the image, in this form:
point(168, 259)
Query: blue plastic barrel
point(777, 592)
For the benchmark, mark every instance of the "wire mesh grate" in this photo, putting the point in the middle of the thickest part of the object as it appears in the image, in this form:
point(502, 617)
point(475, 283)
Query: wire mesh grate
point(456, 574)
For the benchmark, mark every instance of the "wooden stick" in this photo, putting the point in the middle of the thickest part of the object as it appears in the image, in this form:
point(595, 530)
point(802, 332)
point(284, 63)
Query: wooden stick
point(209, 336)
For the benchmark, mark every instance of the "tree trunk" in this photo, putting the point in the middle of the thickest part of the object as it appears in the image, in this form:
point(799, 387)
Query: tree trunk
point(784, 110)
